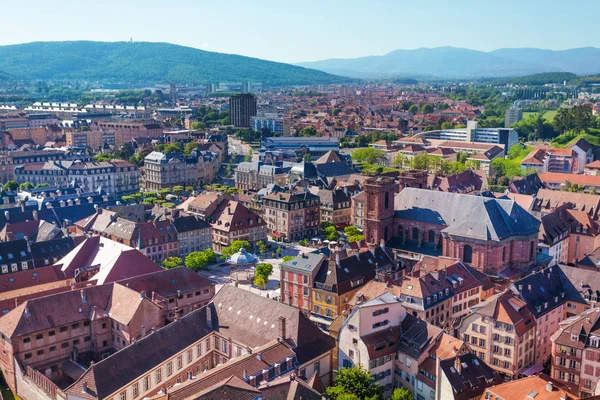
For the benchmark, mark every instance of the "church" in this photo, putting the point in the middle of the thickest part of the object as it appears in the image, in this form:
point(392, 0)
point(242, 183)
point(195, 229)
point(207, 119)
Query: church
point(496, 236)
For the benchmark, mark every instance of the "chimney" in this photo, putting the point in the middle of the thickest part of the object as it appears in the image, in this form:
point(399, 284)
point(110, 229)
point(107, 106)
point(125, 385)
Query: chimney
point(27, 314)
point(83, 299)
point(281, 324)
point(259, 357)
point(457, 365)
point(143, 294)
point(209, 316)
point(35, 215)
point(382, 245)
point(143, 330)
point(245, 375)
point(549, 386)
point(7, 215)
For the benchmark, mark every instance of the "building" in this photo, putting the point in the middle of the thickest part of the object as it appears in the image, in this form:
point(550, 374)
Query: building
point(513, 115)
point(357, 211)
point(550, 159)
point(193, 351)
point(193, 234)
point(297, 279)
point(315, 146)
point(335, 206)
point(254, 175)
point(504, 137)
point(292, 216)
point(502, 333)
point(165, 170)
point(243, 108)
point(122, 132)
point(559, 181)
point(42, 335)
point(465, 377)
point(554, 236)
point(279, 125)
point(114, 177)
point(539, 387)
point(487, 233)
point(233, 221)
point(576, 352)
point(370, 336)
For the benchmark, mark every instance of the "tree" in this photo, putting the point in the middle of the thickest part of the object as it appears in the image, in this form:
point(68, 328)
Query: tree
point(308, 131)
point(199, 260)
point(287, 258)
point(401, 394)
point(307, 157)
point(164, 191)
point(172, 262)
point(25, 186)
point(403, 125)
point(399, 160)
point(427, 109)
point(325, 225)
point(41, 185)
point(593, 190)
point(303, 242)
point(173, 148)
point(177, 190)
point(262, 272)
point(234, 247)
point(369, 155)
point(191, 146)
point(331, 233)
point(189, 189)
point(262, 247)
point(197, 125)
point(10, 186)
point(413, 109)
point(354, 381)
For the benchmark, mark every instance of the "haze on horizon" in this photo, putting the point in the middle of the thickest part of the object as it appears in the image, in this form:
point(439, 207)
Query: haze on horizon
point(309, 30)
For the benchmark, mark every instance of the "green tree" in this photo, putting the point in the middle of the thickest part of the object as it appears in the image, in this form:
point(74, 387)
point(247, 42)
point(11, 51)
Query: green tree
point(325, 225)
point(164, 191)
point(308, 131)
point(401, 394)
point(41, 185)
point(593, 190)
point(427, 109)
point(351, 230)
point(303, 242)
point(399, 160)
point(413, 109)
point(191, 146)
point(234, 247)
point(287, 258)
point(199, 260)
point(26, 186)
point(10, 186)
point(354, 381)
point(197, 125)
point(173, 148)
point(189, 189)
point(369, 155)
point(307, 157)
point(331, 233)
point(262, 272)
point(177, 190)
point(262, 247)
point(172, 262)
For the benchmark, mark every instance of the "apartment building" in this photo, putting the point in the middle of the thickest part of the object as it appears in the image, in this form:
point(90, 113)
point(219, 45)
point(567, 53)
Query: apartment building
point(335, 206)
point(125, 132)
point(292, 216)
point(357, 209)
point(112, 177)
point(297, 280)
point(165, 170)
point(576, 352)
point(232, 221)
point(193, 234)
point(502, 332)
point(550, 159)
point(254, 175)
point(370, 336)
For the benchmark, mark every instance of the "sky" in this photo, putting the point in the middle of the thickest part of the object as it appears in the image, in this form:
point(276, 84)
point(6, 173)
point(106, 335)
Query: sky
point(308, 30)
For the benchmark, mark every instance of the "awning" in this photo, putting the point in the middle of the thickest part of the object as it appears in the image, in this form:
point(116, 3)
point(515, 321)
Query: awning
point(277, 234)
point(532, 370)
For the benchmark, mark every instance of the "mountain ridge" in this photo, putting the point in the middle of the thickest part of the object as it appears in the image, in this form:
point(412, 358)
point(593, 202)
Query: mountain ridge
point(457, 62)
point(147, 62)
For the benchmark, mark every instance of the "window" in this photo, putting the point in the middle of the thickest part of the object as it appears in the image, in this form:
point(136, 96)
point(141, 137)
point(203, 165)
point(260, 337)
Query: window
point(189, 355)
point(51, 333)
point(468, 254)
point(52, 348)
point(27, 356)
point(179, 362)
point(419, 385)
point(26, 340)
point(169, 368)
point(64, 345)
point(135, 390)
point(158, 376)
point(146, 383)
point(123, 396)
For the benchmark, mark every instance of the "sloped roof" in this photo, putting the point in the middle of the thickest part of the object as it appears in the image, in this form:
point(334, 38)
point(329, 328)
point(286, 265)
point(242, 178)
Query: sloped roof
point(464, 215)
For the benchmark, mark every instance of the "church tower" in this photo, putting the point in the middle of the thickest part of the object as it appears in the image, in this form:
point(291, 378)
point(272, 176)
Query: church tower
point(379, 209)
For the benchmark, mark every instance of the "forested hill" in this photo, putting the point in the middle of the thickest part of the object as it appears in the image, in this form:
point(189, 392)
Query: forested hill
point(147, 62)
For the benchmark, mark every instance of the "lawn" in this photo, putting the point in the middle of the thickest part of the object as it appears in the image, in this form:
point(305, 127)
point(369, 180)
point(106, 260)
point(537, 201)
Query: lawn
point(548, 115)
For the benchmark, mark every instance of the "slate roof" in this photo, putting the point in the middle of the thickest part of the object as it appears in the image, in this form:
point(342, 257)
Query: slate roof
point(529, 184)
point(472, 380)
point(416, 335)
point(167, 282)
point(189, 223)
point(464, 215)
point(542, 291)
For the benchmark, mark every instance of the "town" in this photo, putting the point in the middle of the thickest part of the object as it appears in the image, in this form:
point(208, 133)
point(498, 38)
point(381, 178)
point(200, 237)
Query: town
point(181, 224)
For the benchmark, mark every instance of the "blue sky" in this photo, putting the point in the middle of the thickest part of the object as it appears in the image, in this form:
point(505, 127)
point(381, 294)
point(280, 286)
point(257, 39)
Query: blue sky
point(307, 30)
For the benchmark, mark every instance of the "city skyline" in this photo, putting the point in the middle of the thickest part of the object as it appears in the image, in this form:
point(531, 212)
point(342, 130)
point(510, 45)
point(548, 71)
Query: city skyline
point(308, 31)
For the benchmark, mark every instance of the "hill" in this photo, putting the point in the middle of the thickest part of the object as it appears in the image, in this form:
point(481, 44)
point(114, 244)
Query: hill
point(452, 62)
point(147, 62)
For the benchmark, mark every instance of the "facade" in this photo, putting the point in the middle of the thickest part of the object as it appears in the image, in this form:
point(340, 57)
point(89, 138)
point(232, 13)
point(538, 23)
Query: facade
point(297, 280)
point(193, 234)
point(233, 221)
point(292, 216)
point(502, 333)
point(254, 175)
point(357, 210)
point(112, 177)
point(513, 115)
point(315, 146)
point(504, 137)
point(335, 206)
point(370, 336)
point(501, 234)
point(121, 132)
point(280, 125)
point(576, 352)
point(242, 108)
point(549, 159)
point(174, 169)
